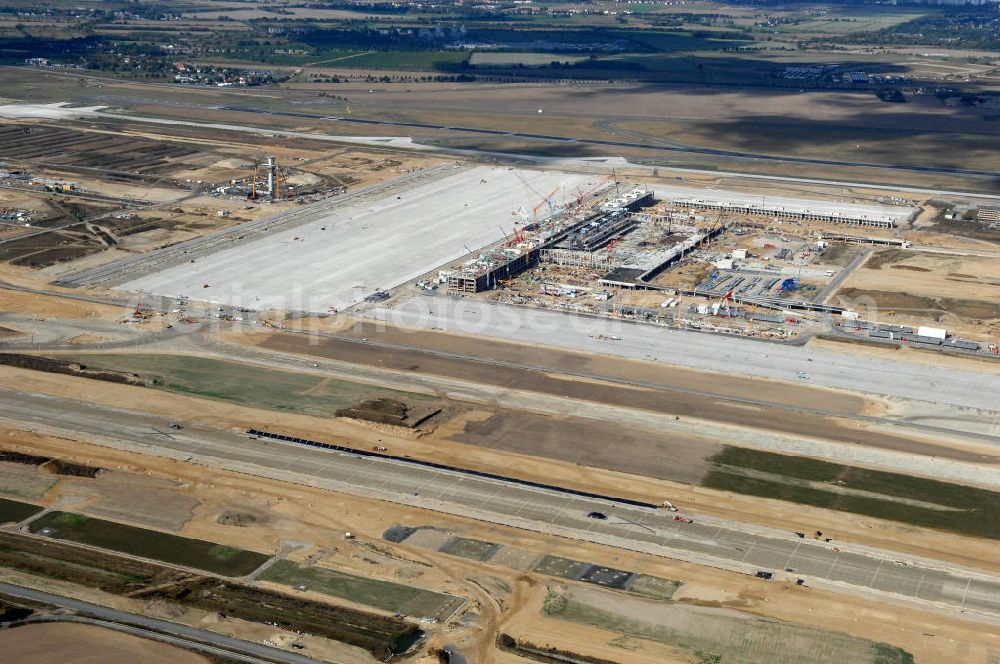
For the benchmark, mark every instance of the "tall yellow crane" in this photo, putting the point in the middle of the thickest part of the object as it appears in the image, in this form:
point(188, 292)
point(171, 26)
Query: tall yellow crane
point(252, 196)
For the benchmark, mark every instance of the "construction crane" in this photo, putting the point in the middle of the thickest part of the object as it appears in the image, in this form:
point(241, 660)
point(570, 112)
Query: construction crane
point(716, 224)
point(527, 184)
point(611, 247)
point(545, 201)
point(593, 189)
point(252, 196)
point(724, 301)
point(281, 182)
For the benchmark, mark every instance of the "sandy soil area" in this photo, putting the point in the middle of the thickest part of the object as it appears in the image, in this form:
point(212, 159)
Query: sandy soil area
point(678, 403)
point(87, 644)
point(961, 293)
point(319, 518)
point(613, 367)
point(47, 306)
point(439, 446)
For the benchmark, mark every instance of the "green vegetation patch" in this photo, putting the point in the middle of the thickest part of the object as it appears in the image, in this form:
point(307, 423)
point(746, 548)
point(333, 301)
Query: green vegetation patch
point(152, 544)
point(94, 569)
point(245, 384)
point(912, 500)
point(384, 595)
point(14, 511)
point(653, 587)
point(722, 635)
point(120, 575)
point(382, 636)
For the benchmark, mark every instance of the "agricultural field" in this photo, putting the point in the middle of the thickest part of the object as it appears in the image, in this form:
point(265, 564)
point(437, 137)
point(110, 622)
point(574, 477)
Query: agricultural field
point(149, 582)
point(712, 634)
point(12, 511)
point(67, 642)
point(902, 498)
point(173, 549)
point(378, 594)
point(240, 383)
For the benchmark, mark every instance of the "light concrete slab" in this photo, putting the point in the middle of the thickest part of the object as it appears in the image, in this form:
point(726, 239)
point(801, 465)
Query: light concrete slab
point(341, 257)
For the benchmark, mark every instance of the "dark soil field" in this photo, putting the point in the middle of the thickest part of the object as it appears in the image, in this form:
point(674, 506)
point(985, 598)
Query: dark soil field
point(57, 146)
point(379, 635)
point(44, 250)
point(119, 575)
point(94, 569)
point(595, 443)
point(670, 399)
point(13, 511)
point(168, 548)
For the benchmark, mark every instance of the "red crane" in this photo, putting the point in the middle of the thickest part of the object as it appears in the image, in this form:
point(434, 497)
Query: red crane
point(611, 247)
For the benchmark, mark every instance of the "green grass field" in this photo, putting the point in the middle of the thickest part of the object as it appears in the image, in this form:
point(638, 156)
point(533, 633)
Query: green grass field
point(245, 384)
point(152, 544)
point(903, 498)
point(521, 58)
point(425, 60)
point(384, 595)
point(14, 511)
point(723, 635)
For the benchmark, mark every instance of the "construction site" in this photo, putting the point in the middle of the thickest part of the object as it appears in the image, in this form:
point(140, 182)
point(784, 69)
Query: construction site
point(294, 398)
point(583, 244)
point(661, 255)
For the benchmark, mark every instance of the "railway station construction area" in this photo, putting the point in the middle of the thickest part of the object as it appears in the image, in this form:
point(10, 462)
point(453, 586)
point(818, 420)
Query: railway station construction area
point(312, 397)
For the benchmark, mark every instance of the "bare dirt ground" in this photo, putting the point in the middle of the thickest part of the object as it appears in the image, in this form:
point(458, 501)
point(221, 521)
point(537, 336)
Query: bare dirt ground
point(319, 517)
point(56, 307)
point(670, 402)
point(594, 443)
point(595, 363)
point(151, 502)
point(87, 644)
point(440, 447)
point(961, 293)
